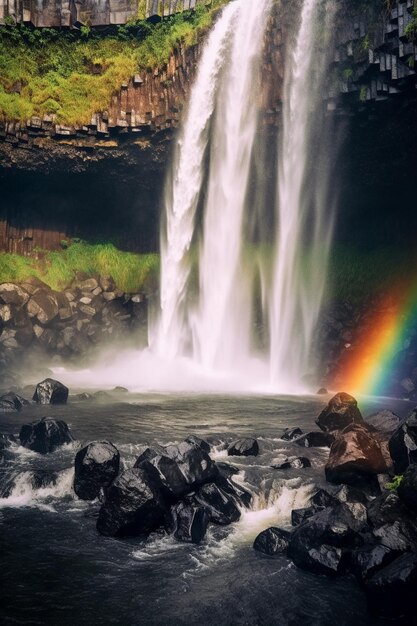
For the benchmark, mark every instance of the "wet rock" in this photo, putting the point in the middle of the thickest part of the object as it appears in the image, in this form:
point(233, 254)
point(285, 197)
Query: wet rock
point(133, 506)
point(6, 441)
point(322, 391)
point(147, 453)
point(13, 294)
point(384, 421)
point(315, 439)
point(367, 560)
point(354, 456)
point(341, 411)
point(295, 462)
point(350, 495)
point(96, 466)
point(194, 463)
point(45, 435)
point(322, 499)
point(227, 469)
point(188, 522)
point(121, 390)
point(15, 401)
point(299, 516)
point(403, 443)
point(43, 306)
point(238, 493)
point(165, 472)
point(272, 541)
point(199, 443)
point(407, 489)
point(50, 391)
point(291, 433)
point(392, 523)
point(391, 591)
point(244, 447)
point(220, 506)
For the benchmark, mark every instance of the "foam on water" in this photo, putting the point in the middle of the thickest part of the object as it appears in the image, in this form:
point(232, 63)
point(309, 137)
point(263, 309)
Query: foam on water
point(24, 494)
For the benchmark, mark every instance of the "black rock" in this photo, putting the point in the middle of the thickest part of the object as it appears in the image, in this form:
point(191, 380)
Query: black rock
point(403, 443)
point(272, 541)
point(96, 466)
point(165, 472)
point(391, 591)
point(50, 391)
point(6, 441)
point(221, 507)
point(11, 402)
point(316, 544)
point(199, 443)
point(188, 522)
point(240, 495)
point(147, 453)
point(299, 516)
point(45, 435)
point(322, 499)
point(384, 421)
point(291, 433)
point(322, 391)
point(315, 439)
point(295, 462)
point(194, 463)
point(133, 506)
point(227, 469)
point(348, 494)
point(244, 447)
point(367, 560)
point(407, 489)
point(392, 524)
point(341, 411)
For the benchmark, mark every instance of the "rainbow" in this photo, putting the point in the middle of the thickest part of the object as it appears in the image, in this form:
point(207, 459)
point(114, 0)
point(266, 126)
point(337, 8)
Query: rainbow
point(369, 368)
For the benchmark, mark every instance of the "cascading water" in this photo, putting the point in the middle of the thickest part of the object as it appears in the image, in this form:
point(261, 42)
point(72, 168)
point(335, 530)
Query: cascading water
point(304, 214)
point(221, 323)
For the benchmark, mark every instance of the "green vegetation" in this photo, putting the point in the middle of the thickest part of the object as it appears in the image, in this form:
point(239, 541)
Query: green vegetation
point(395, 483)
point(73, 74)
point(131, 272)
point(411, 28)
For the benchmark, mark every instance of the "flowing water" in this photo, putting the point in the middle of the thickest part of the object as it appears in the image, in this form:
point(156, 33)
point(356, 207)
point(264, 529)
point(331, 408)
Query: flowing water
point(56, 569)
point(213, 166)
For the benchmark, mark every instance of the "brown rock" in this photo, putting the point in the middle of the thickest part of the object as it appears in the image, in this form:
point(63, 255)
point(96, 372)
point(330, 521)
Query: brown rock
point(354, 455)
point(342, 411)
point(43, 305)
point(13, 294)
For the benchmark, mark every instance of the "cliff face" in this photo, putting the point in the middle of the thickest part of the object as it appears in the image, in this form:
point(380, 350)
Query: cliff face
point(105, 179)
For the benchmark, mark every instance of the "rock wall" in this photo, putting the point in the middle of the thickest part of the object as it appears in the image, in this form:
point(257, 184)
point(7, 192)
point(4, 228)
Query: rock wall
point(74, 13)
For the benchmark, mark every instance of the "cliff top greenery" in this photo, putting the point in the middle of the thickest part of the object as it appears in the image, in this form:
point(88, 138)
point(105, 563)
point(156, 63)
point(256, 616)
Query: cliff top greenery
point(73, 74)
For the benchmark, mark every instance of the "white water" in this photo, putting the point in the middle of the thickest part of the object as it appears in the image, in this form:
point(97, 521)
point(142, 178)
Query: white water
point(304, 213)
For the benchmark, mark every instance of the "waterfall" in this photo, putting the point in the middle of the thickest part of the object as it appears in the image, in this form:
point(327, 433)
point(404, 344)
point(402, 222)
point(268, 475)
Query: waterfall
point(184, 188)
point(206, 204)
point(304, 212)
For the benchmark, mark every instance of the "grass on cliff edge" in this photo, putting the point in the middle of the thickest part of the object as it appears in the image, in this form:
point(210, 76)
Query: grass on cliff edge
point(131, 272)
point(73, 74)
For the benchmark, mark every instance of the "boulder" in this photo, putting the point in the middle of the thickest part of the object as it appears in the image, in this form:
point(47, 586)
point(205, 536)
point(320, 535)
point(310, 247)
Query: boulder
point(12, 400)
point(391, 591)
point(13, 294)
point(244, 447)
point(165, 472)
point(392, 523)
point(43, 306)
point(194, 463)
point(315, 439)
point(299, 516)
point(367, 560)
point(50, 391)
point(354, 456)
point(238, 493)
point(321, 499)
point(199, 443)
point(188, 522)
point(322, 391)
point(220, 506)
point(407, 489)
point(133, 506)
point(341, 411)
point(45, 435)
point(96, 466)
point(6, 441)
point(294, 462)
point(227, 469)
point(272, 541)
point(290, 434)
point(384, 421)
point(403, 443)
